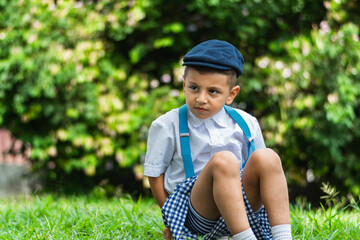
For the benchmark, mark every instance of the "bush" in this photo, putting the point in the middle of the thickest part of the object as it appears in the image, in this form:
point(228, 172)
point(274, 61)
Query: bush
point(64, 90)
point(81, 81)
point(313, 95)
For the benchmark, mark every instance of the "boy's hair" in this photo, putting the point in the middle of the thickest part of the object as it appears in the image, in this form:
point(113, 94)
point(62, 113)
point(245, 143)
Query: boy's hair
point(232, 80)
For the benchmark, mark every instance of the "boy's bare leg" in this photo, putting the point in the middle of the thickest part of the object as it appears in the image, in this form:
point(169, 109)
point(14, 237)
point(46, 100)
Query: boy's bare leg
point(264, 183)
point(217, 191)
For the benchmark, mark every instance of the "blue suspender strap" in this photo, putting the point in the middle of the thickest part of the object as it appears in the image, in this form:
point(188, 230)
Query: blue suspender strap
point(185, 142)
point(244, 127)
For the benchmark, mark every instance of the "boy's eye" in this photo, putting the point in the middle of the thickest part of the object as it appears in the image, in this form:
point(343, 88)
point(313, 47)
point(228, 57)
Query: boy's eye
point(213, 91)
point(193, 88)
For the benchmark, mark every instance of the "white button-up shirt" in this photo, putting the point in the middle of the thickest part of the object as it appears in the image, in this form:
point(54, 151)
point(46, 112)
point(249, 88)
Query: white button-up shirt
point(207, 137)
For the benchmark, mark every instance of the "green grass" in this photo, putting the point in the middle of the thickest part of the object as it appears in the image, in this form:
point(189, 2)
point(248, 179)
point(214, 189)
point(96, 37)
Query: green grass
point(50, 217)
point(333, 222)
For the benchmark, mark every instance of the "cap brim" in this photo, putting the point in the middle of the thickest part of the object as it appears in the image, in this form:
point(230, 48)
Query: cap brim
point(206, 64)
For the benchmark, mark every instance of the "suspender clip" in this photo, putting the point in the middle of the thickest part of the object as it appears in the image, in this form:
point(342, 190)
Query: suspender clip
point(184, 134)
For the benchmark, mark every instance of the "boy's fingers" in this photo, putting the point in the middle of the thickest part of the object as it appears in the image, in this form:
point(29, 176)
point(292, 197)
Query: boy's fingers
point(167, 233)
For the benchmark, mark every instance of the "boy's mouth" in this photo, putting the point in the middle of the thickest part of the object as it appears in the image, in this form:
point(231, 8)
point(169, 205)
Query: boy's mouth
point(200, 109)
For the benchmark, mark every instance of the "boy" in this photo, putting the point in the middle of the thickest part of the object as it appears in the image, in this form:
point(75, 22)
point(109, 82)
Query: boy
point(222, 198)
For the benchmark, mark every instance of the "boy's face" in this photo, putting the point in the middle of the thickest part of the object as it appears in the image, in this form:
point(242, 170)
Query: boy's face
point(207, 93)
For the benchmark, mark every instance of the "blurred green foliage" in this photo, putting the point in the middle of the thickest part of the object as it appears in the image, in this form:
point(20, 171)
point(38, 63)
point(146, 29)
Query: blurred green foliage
point(81, 81)
point(314, 96)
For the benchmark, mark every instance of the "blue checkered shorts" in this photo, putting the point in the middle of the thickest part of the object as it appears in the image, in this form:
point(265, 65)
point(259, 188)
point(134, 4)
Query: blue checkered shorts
point(176, 208)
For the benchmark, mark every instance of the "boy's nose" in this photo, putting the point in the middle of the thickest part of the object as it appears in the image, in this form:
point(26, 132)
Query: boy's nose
point(201, 98)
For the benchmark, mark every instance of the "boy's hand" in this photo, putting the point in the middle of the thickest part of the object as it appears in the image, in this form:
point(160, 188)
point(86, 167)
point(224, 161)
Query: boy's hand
point(167, 233)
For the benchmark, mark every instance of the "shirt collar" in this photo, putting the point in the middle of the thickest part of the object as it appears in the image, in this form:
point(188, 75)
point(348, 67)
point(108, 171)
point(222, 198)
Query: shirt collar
point(219, 119)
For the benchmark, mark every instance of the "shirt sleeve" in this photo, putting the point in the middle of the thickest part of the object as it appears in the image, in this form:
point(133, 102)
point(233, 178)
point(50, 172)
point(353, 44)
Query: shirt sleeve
point(160, 149)
point(258, 138)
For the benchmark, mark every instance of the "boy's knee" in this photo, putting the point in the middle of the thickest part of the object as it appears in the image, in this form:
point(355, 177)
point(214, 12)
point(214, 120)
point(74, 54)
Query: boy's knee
point(226, 162)
point(266, 158)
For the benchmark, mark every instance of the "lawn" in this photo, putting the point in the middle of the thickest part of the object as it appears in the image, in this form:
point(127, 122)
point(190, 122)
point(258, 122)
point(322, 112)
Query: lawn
point(49, 217)
point(81, 217)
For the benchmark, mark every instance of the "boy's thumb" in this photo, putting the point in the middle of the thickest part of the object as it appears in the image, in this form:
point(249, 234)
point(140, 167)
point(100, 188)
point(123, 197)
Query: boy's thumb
point(167, 234)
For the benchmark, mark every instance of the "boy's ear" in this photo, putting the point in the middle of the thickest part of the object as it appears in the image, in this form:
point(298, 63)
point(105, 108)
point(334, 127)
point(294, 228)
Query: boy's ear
point(233, 92)
point(184, 83)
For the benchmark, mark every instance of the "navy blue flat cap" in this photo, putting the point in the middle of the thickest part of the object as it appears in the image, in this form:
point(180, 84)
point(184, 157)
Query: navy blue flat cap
point(215, 54)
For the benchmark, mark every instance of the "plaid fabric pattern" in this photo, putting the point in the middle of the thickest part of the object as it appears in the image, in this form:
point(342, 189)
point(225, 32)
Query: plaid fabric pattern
point(176, 208)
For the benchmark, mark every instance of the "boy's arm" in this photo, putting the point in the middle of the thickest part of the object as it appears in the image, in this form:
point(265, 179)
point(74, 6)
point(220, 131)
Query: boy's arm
point(158, 190)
